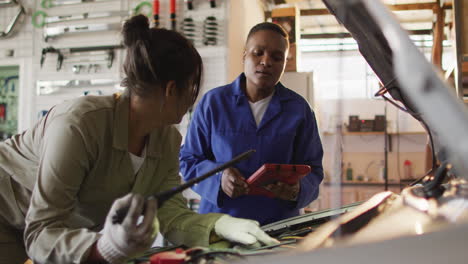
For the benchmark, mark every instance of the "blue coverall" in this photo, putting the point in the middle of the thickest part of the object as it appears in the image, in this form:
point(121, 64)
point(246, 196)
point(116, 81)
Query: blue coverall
point(223, 126)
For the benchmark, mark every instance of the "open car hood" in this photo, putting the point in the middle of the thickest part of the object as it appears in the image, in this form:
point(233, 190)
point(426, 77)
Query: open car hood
point(407, 75)
point(388, 228)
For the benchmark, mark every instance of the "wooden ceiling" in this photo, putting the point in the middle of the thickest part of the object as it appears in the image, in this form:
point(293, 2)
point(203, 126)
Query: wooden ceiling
point(416, 16)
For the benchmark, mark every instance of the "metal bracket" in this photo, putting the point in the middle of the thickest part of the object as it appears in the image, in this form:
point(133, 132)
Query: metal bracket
point(110, 51)
point(22, 11)
point(57, 31)
point(54, 3)
point(50, 87)
point(40, 18)
point(52, 50)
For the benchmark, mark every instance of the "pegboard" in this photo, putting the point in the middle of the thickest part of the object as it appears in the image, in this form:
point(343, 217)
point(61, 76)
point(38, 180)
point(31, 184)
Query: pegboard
point(28, 42)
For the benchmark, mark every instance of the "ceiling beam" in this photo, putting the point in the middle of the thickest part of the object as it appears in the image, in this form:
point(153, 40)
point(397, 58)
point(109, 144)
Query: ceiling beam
point(415, 6)
point(347, 35)
point(397, 7)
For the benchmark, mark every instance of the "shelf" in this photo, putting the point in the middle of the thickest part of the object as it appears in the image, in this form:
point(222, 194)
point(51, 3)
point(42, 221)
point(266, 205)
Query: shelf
point(362, 133)
point(346, 133)
point(354, 183)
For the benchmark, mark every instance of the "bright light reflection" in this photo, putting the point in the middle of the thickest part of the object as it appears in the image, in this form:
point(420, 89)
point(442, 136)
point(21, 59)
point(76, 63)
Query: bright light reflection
point(418, 229)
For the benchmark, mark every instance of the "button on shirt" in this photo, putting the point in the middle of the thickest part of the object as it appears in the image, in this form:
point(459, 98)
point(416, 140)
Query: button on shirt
point(224, 126)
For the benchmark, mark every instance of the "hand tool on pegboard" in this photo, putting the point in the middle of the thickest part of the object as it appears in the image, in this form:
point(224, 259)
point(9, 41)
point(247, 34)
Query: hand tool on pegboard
point(156, 13)
point(54, 3)
point(63, 52)
point(40, 18)
point(53, 32)
point(189, 4)
point(173, 14)
point(188, 29)
point(16, 19)
point(49, 87)
point(210, 31)
point(213, 3)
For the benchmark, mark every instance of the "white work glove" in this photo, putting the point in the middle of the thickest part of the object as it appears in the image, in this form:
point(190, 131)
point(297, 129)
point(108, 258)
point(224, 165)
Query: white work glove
point(242, 231)
point(120, 242)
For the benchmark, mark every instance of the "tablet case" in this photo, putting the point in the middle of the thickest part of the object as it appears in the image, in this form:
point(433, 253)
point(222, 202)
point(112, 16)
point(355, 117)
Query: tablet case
point(273, 173)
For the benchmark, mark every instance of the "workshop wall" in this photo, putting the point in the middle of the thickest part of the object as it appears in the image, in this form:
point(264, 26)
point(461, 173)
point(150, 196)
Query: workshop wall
point(345, 85)
point(89, 72)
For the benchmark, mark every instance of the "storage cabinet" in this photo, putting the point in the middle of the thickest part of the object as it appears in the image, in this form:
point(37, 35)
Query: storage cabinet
point(364, 152)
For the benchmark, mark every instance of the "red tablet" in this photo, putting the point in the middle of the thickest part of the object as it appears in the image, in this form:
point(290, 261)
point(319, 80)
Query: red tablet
point(272, 173)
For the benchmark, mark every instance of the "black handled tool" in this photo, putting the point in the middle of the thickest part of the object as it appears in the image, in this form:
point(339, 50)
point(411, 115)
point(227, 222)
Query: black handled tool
point(189, 4)
point(173, 14)
point(166, 195)
point(156, 13)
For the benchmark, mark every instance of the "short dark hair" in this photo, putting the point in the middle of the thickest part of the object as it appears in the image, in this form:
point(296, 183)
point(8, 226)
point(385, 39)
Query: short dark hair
point(268, 26)
point(156, 56)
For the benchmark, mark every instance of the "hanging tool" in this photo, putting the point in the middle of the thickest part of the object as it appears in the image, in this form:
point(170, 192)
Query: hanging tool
point(44, 19)
point(173, 14)
point(16, 19)
point(54, 3)
point(109, 51)
point(10, 79)
point(156, 13)
point(188, 28)
point(52, 50)
point(189, 4)
point(210, 31)
point(140, 6)
point(49, 87)
point(8, 3)
point(77, 68)
point(213, 3)
point(53, 32)
point(166, 195)
point(97, 92)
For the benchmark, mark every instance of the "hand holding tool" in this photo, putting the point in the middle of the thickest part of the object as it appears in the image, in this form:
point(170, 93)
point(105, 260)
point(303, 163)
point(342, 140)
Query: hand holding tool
point(166, 195)
point(119, 242)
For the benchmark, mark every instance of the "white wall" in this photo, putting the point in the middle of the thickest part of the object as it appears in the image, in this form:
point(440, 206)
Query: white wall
point(243, 15)
point(28, 43)
point(345, 85)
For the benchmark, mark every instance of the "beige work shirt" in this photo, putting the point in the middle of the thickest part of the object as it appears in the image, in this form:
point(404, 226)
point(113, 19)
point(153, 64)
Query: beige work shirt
point(68, 169)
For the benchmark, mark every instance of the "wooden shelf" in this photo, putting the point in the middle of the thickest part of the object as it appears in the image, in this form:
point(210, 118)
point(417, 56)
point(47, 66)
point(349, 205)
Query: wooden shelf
point(353, 183)
point(346, 133)
point(362, 133)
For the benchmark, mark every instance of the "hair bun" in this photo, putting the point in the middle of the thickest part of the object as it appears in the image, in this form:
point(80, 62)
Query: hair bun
point(136, 28)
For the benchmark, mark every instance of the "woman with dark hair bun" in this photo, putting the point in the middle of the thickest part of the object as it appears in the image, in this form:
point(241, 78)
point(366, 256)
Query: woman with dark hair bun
point(64, 179)
point(254, 112)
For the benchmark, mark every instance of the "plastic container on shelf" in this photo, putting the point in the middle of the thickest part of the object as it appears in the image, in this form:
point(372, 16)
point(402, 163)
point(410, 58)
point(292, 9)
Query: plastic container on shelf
point(382, 171)
point(408, 169)
point(349, 172)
